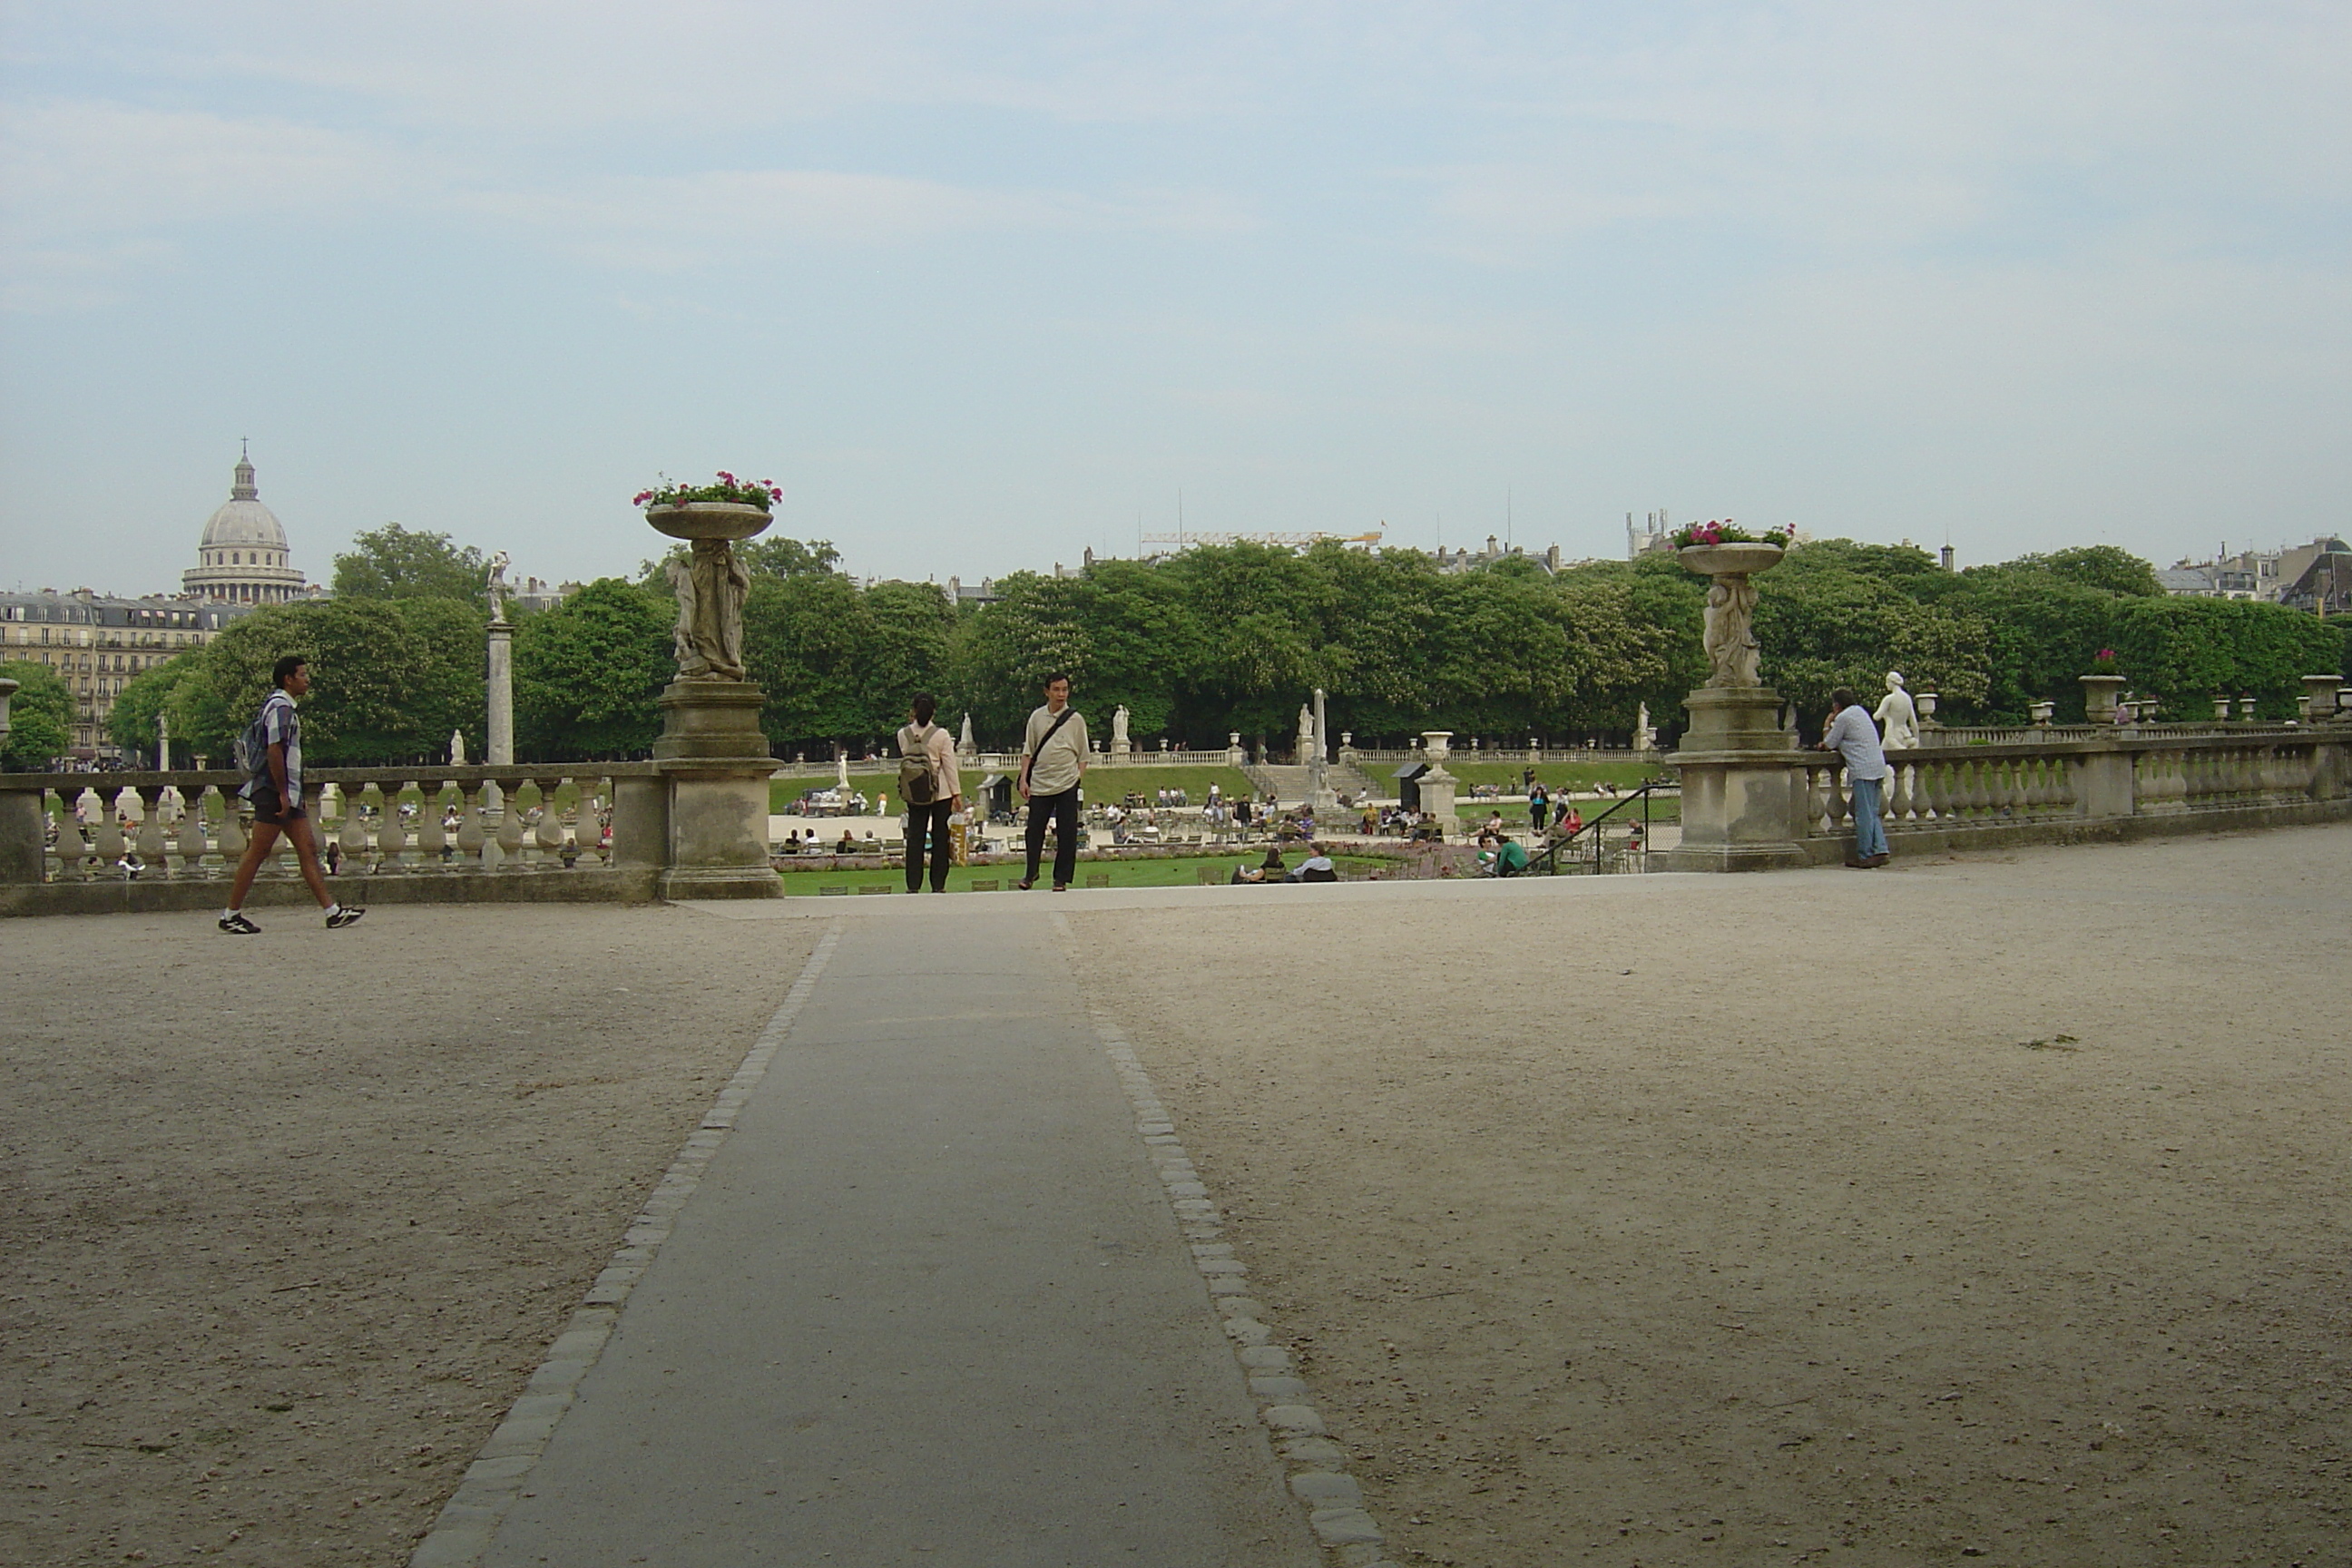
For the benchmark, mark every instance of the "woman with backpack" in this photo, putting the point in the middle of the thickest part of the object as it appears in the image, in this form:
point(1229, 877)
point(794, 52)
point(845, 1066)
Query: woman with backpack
point(933, 792)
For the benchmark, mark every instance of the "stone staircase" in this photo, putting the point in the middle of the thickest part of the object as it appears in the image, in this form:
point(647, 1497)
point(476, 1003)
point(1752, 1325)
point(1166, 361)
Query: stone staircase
point(1289, 784)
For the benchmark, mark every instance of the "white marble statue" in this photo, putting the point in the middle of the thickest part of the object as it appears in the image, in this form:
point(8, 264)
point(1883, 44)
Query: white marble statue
point(965, 744)
point(1118, 728)
point(1305, 734)
point(1897, 715)
point(710, 584)
point(499, 564)
point(457, 747)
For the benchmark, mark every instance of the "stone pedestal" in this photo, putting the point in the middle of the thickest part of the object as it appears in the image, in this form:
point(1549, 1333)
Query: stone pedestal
point(1437, 787)
point(1743, 788)
point(2322, 691)
point(2099, 694)
point(715, 761)
point(501, 694)
point(23, 832)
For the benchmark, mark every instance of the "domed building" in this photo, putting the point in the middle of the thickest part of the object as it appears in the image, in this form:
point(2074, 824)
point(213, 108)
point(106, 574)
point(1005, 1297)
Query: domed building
point(242, 558)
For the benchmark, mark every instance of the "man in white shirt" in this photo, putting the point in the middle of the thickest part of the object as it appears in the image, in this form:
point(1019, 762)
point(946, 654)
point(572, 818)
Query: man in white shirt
point(1854, 736)
point(1053, 761)
point(927, 819)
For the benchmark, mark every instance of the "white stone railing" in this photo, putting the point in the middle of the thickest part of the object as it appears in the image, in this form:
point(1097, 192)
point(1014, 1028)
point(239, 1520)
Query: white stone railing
point(193, 826)
point(2120, 773)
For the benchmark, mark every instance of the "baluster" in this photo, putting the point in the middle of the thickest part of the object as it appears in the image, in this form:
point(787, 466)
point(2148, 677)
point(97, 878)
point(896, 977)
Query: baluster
point(1841, 804)
point(153, 846)
point(69, 849)
point(432, 838)
point(1817, 799)
point(1980, 799)
point(471, 843)
point(232, 839)
point(352, 841)
point(109, 831)
point(510, 824)
point(191, 832)
point(549, 834)
point(1899, 791)
point(2062, 792)
point(391, 837)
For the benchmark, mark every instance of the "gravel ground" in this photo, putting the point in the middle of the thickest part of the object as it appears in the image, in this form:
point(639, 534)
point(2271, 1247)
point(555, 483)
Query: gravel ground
point(293, 1217)
point(1985, 1208)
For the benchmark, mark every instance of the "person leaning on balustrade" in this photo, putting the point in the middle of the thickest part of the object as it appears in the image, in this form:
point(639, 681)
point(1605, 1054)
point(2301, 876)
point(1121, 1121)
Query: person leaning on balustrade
point(1854, 735)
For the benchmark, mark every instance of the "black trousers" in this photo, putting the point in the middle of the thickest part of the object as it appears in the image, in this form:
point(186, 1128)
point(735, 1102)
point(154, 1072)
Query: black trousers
point(929, 822)
point(1061, 810)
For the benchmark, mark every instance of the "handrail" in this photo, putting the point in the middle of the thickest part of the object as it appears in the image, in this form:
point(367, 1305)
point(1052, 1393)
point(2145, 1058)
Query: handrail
point(1548, 857)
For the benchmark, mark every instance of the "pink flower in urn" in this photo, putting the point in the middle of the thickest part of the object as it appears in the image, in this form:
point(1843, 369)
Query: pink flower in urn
point(641, 497)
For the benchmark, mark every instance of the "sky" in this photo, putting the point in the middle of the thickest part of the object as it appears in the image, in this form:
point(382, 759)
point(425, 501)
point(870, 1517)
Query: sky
point(984, 286)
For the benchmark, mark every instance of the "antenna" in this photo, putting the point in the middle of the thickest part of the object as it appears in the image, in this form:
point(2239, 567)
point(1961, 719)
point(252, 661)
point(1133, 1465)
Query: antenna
point(1508, 537)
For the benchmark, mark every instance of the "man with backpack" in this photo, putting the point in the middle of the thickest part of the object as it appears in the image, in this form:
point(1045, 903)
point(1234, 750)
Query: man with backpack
point(270, 753)
point(1052, 760)
point(933, 791)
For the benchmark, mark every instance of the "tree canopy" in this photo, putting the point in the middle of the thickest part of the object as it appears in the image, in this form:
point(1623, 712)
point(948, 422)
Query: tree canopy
point(40, 718)
point(1230, 637)
point(396, 563)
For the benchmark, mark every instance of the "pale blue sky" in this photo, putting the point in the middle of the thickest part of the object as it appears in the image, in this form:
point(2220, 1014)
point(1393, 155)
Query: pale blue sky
point(983, 285)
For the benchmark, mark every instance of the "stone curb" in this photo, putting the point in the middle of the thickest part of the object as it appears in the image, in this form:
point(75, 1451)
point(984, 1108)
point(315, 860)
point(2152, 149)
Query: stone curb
point(461, 1535)
point(1317, 1467)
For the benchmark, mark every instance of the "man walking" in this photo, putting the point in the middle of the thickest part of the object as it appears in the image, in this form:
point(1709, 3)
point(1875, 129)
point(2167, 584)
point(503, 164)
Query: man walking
point(1052, 760)
point(933, 791)
point(1852, 734)
point(272, 752)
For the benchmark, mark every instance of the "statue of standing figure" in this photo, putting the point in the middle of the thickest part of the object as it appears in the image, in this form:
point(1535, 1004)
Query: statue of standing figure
point(1897, 715)
point(711, 583)
point(1730, 633)
point(499, 564)
point(457, 747)
point(1118, 728)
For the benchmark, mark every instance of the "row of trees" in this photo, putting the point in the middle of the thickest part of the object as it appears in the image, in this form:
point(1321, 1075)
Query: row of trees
point(1221, 638)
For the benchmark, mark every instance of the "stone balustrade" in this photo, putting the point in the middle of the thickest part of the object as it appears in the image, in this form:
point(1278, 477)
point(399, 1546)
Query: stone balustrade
point(569, 830)
point(2119, 784)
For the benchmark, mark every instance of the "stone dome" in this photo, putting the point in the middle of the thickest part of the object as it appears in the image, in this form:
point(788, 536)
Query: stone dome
point(242, 520)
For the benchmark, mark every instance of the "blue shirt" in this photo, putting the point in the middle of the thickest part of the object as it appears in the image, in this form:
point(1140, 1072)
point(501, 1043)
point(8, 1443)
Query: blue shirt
point(1854, 736)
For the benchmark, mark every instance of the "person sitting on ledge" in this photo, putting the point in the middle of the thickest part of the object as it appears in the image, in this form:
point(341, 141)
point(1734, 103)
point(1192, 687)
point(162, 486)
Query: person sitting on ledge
point(1316, 868)
point(1500, 855)
point(847, 846)
point(1269, 870)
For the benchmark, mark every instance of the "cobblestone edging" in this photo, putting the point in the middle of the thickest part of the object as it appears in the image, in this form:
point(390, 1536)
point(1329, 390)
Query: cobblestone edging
point(462, 1533)
point(1317, 1467)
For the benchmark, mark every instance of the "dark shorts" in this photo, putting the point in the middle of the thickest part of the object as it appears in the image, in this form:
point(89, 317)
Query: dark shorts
point(266, 807)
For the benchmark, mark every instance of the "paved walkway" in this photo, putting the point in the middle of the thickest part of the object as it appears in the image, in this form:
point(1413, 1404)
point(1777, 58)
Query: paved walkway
point(929, 1304)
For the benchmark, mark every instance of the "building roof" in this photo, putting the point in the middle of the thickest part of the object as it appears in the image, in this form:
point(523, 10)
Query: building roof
point(242, 520)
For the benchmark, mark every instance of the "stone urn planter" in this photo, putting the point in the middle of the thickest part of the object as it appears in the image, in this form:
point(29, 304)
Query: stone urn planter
point(721, 519)
point(1730, 635)
point(2099, 694)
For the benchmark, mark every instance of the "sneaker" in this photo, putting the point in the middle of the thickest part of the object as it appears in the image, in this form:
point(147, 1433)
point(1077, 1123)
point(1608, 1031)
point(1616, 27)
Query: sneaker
point(343, 916)
point(236, 924)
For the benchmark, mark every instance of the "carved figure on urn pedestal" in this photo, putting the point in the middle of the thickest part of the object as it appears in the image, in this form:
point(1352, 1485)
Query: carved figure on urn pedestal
point(1730, 631)
point(711, 585)
point(1897, 715)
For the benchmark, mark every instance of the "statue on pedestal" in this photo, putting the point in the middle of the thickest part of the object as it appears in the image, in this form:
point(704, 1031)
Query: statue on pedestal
point(1118, 741)
point(1730, 635)
point(1897, 715)
point(711, 585)
point(457, 747)
point(1305, 734)
point(499, 564)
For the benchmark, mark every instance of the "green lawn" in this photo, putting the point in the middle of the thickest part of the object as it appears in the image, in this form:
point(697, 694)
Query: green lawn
point(1102, 785)
point(1577, 775)
point(1184, 872)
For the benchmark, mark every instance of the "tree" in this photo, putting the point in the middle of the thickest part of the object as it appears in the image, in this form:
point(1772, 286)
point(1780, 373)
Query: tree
point(131, 722)
point(396, 563)
point(2102, 566)
point(588, 673)
point(392, 679)
point(40, 718)
point(1838, 614)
